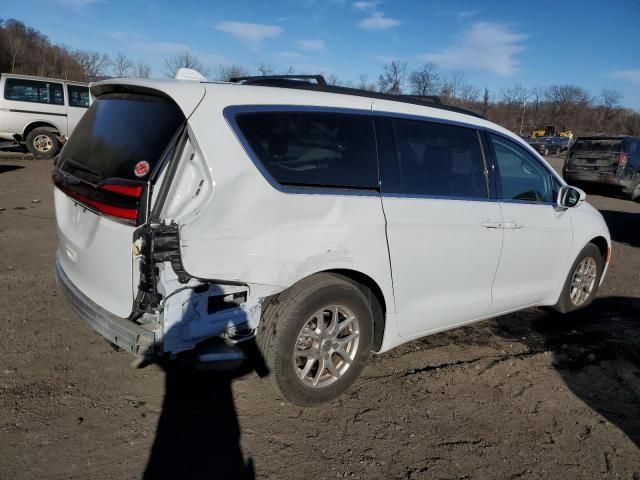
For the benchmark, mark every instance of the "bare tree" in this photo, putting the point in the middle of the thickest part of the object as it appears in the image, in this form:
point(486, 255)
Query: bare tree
point(450, 89)
point(332, 79)
point(610, 98)
point(224, 73)
point(184, 59)
point(425, 81)
point(515, 96)
point(14, 33)
point(363, 84)
point(141, 70)
point(393, 77)
point(264, 69)
point(567, 103)
point(468, 94)
point(610, 103)
point(486, 99)
point(121, 66)
point(93, 64)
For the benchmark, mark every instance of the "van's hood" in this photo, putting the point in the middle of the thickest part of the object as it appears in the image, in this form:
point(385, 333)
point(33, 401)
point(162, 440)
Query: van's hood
point(186, 94)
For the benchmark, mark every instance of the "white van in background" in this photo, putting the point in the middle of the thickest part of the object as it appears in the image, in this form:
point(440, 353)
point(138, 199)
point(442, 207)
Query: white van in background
point(40, 112)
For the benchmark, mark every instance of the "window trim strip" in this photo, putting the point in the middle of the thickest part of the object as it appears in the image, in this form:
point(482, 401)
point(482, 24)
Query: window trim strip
point(230, 112)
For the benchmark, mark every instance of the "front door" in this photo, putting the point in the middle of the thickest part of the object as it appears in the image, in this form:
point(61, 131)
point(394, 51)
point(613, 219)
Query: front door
point(443, 231)
point(537, 234)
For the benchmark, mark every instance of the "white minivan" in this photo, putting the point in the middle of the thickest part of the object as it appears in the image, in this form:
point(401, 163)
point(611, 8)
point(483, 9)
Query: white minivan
point(322, 222)
point(40, 112)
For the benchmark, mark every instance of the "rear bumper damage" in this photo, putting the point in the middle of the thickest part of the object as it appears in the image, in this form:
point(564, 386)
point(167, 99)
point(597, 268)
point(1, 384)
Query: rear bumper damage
point(624, 178)
point(122, 332)
point(184, 314)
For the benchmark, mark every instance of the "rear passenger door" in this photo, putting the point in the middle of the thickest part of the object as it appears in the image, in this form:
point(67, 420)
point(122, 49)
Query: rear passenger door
point(443, 228)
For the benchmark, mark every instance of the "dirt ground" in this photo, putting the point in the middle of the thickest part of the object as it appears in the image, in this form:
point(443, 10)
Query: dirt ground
point(528, 395)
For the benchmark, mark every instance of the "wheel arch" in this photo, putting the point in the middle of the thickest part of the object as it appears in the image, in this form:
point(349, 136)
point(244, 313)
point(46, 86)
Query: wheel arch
point(376, 297)
point(602, 245)
point(371, 290)
point(38, 124)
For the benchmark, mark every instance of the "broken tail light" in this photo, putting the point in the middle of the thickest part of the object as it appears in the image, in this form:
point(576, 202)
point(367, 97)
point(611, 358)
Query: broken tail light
point(622, 159)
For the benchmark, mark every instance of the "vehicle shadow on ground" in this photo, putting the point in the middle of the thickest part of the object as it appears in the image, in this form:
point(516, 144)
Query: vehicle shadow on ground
point(198, 433)
point(596, 352)
point(623, 226)
point(9, 168)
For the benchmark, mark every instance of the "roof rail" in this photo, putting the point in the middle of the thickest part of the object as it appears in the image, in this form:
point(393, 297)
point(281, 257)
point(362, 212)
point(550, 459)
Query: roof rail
point(302, 82)
point(279, 80)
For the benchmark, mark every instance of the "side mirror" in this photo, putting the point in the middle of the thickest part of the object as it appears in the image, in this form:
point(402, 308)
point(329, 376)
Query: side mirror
point(570, 197)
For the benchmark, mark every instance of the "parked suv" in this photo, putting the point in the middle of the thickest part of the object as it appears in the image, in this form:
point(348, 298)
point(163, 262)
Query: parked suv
point(608, 160)
point(323, 222)
point(550, 145)
point(40, 112)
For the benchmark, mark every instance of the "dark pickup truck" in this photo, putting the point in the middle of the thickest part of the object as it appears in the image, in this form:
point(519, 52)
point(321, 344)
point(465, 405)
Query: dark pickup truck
point(609, 160)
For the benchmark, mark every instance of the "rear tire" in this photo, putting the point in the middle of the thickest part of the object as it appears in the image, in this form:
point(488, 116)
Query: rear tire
point(315, 338)
point(583, 280)
point(42, 143)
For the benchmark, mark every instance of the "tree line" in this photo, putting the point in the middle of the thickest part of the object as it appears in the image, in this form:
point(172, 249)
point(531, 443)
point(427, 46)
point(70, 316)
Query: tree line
point(520, 109)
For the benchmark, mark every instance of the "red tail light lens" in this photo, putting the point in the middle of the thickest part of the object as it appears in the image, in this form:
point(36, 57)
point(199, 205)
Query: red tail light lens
point(126, 190)
point(622, 159)
point(114, 197)
point(128, 214)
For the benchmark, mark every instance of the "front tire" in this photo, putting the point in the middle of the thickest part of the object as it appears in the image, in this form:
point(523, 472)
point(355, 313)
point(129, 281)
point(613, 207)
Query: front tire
point(315, 338)
point(42, 143)
point(582, 283)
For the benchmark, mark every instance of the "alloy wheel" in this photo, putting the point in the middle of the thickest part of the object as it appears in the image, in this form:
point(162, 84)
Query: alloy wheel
point(583, 281)
point(326, 346)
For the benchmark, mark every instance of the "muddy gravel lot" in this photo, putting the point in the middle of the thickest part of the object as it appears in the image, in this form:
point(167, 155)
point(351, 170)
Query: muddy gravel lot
point(527, 395)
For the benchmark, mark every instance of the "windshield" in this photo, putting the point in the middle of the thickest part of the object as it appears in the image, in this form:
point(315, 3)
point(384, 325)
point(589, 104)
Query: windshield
point(118, 134)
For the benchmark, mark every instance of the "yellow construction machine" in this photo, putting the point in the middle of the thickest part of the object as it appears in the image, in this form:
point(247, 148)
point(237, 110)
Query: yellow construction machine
point(550, 131)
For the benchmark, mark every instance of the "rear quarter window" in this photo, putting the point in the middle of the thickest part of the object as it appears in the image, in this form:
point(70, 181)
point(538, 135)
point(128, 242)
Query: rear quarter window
point(313, 149)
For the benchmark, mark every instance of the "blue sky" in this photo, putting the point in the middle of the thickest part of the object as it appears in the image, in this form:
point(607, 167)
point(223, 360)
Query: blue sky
point(594, 44)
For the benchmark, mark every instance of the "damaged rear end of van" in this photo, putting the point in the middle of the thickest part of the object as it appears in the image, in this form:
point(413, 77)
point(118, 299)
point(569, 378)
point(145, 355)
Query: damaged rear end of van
point(126, 183)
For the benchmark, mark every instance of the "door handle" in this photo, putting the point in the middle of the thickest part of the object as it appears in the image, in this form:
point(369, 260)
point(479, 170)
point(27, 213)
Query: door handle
point(513, 226)
point(490, 224)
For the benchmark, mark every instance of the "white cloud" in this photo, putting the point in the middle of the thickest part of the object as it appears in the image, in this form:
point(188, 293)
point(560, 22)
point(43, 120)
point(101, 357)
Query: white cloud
point(631, 76)
point(366, 5)
point(251, 34)
point(377, 21)
point(466, 14)
point(311, 45)
point(485, 46)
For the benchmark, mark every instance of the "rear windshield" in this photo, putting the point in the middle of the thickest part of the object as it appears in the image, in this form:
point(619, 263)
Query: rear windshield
point(117, 133)
point(597, 145)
